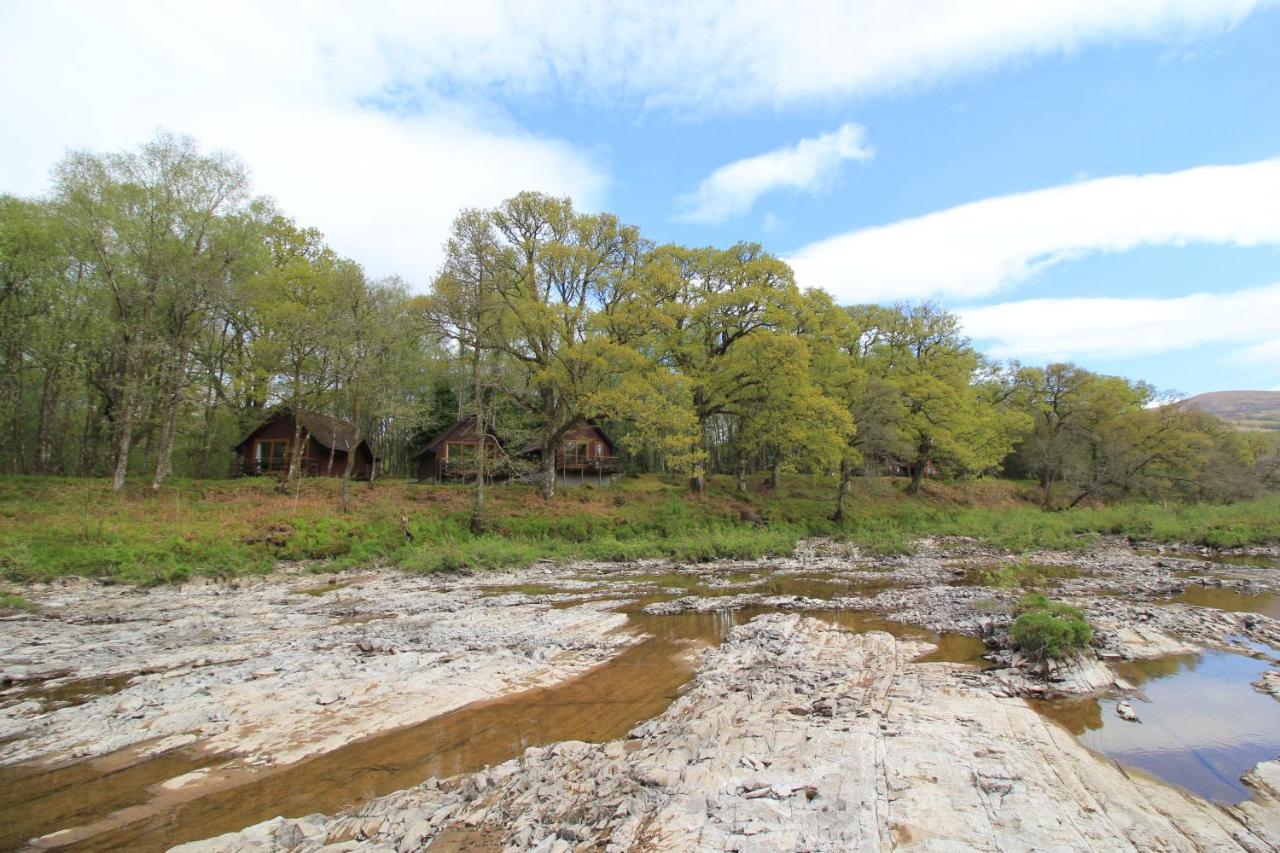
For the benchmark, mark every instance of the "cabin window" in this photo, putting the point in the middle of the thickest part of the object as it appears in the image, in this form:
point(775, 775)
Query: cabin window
point(273, 451)
point(460, 454)
point(575, 452)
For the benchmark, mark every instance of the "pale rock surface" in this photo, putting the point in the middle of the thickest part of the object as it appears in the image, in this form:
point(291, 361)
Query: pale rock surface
point(259, 671)
point(795, 735)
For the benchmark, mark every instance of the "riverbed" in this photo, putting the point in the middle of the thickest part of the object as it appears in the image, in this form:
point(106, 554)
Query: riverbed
point(141, 719)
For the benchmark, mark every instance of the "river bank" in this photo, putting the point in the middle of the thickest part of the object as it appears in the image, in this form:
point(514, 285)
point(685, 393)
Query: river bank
point(217, 705)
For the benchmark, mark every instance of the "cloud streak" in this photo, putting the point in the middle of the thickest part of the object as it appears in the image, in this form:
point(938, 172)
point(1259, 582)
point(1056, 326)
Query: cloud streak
point(809, 165)
point(976, 249)
point(1062, 329)
point(377, 122)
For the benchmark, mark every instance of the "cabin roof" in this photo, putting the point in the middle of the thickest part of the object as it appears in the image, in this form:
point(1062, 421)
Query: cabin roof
point(460, 427)
point(535, 447)
point(329, 432)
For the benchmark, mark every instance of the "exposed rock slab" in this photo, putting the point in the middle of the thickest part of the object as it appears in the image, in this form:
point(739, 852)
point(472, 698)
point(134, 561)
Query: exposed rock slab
point(797, 735)
point(262, 671)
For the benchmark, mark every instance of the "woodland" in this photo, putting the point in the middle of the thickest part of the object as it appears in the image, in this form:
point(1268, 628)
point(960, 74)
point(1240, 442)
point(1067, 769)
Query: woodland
point(153, 310)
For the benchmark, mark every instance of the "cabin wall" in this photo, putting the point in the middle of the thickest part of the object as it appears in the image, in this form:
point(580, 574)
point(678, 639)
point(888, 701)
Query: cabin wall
point(599, 456)
point(317, 460)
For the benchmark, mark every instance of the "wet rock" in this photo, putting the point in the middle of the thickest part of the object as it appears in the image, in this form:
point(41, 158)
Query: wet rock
point(1125, 712)
point(742, 774)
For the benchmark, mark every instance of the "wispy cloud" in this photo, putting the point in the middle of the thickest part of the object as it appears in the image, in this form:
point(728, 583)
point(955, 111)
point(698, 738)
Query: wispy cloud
point(976, 249)
point(809, 165)
point(1043, 329)
point(730, 55)
point(378, 122)
point(1266, 352)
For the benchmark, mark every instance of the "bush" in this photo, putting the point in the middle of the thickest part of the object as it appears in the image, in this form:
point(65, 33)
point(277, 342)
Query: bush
point(1048, 629)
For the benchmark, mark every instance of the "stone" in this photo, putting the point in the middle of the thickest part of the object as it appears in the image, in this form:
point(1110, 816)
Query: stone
point(1125, 712)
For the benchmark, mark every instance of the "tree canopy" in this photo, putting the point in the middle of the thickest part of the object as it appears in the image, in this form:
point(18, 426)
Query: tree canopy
point(153, 309)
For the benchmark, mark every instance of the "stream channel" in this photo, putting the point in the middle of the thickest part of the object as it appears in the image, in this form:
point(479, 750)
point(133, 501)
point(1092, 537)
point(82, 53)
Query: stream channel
point(1202, 724)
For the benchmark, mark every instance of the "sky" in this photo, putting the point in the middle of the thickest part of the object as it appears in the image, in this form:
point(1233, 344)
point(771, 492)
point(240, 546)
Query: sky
point(1086, 180)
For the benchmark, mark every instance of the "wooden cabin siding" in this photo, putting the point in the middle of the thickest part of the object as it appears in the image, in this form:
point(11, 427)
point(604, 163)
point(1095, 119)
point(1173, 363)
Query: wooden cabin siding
point(440, 460)
point(586, 449)
point(276, 436)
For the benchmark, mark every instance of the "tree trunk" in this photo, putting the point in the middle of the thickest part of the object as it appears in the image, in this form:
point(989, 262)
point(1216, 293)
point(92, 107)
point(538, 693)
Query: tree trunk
point(477, 509)
point(44, 425)
point(741, 472)
point(124, 441)
point(547, 477)
point(206, 438)
point(698, 481)
point(172, 402)
point(842, 491)
point(775, 471)
point(917, 477)
point(295, 455)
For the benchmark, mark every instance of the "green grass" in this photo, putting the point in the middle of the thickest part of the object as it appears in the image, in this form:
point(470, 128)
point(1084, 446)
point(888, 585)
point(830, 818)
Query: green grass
point(51, 527)
point(12, 601)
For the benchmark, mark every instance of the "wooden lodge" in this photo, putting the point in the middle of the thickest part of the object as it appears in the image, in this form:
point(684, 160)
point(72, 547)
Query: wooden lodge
point(327, 441)
point(452, 454)
point(586, 454)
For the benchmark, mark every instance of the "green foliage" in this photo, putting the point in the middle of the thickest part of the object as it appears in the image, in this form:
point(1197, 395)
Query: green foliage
point(1047, 629)
point(51, 527)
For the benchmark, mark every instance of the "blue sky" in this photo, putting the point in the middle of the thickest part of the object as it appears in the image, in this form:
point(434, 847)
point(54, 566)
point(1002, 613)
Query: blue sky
point(981, 154)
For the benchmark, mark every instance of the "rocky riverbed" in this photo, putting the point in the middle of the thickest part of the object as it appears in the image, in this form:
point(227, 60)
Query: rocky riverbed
point(797, 735)
point(142, 718)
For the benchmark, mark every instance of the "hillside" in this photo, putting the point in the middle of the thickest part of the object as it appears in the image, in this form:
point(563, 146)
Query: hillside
point(1258, 410)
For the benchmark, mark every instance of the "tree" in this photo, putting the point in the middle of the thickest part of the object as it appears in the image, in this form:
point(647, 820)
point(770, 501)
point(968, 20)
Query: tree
point(465, 306)
point(559, 271)
point(712, 302)
point(151, 229)
point(35, 291)
point(928, 368)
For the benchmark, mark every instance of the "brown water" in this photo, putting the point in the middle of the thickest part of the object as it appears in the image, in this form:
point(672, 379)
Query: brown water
point(323, 589)
point(1202, 724)
point(1268, 604)
point(1256, 560)
point(76, 691)
point(35, 801)
point(602, 704)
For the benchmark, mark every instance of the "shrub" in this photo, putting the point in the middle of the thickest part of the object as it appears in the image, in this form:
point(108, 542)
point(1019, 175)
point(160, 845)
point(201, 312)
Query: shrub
point(1048, 629)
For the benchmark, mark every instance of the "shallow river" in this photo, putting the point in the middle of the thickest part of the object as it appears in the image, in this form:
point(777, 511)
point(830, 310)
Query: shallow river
point(1202, 726)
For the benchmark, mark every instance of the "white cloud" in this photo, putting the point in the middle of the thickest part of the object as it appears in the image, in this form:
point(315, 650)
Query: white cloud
point(288, 93)
point(976, 249)
point(735, 54)
point(1061, 329)
point(374, 121)
point(1267, 352)
point(809, 165)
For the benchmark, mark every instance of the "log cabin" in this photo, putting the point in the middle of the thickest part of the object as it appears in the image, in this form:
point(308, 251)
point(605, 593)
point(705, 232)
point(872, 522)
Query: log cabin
point(451, 454)
point(586, 455)
point(327, 441)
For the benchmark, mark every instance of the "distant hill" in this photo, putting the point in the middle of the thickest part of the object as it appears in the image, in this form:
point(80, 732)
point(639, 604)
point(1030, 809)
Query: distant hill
point(1245, 409)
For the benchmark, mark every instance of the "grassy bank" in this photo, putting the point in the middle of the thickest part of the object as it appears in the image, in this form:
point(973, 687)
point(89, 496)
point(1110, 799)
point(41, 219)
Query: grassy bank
point(51, 527)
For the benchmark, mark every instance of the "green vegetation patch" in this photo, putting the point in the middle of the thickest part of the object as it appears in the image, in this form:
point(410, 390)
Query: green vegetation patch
point(1047, 629)
point(52, 527)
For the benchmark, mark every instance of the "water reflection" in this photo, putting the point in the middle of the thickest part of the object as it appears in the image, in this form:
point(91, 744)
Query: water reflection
point(1256, 560)
point(1203, 725)
point(600, 705)
point(1268, 604)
